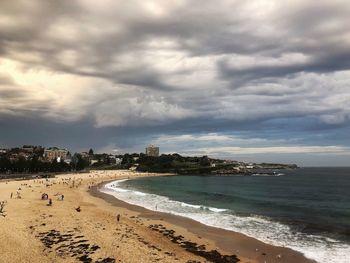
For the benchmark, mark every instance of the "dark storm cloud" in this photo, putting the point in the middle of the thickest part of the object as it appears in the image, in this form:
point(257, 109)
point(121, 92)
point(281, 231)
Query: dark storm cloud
point(184, 67)
point(261, 73)
point(197, 28)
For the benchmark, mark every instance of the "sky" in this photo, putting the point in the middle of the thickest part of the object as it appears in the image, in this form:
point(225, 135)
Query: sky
point(257, 81)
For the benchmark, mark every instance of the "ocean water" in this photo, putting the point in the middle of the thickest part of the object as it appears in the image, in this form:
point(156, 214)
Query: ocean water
point(307, 209)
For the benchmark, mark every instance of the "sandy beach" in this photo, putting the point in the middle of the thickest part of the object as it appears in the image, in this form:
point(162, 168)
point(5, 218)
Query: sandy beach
point(33, 231)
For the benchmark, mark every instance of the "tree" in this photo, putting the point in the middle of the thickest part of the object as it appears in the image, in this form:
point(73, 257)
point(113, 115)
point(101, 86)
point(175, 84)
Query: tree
point(127, 161)
point(91, 152)
point(79, 162)
point(204, 161)
point(5, 164)
point(33, 164)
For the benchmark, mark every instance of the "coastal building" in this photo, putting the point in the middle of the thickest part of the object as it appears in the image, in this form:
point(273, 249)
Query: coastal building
point(31, 149)
point(250, 166)
point(93, 161)
point(152, 150)
point(68, 159)
point(112, 159)
point(85, 155)
point(28, 148)
point(53, 153)
point(3, 151)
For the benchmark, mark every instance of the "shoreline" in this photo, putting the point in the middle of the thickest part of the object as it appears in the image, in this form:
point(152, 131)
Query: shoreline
point(33, 230)
point(229, 241)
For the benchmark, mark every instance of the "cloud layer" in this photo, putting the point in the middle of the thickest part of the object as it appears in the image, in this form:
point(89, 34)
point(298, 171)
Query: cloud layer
point(184, 67)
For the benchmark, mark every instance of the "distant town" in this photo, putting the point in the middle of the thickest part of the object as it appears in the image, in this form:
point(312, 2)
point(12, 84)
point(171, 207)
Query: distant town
point(30, 159)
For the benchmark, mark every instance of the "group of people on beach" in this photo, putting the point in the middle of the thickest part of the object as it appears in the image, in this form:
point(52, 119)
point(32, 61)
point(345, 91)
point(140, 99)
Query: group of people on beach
point(71, 182)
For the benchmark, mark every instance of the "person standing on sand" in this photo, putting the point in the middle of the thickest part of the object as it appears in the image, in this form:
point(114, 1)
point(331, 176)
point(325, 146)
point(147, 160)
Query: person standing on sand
point(50, 202)
point(118, 217)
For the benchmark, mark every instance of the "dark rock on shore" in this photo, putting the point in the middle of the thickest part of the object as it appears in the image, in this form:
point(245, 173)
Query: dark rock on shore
point(194, 248)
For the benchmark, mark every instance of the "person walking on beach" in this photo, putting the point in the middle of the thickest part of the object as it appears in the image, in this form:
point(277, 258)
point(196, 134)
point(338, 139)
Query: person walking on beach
point(118, 217)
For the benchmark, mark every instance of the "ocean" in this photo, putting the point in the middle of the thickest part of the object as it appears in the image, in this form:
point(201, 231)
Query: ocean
point(306, 209)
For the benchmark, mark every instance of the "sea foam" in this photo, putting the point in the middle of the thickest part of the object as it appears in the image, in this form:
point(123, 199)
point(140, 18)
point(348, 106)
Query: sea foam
point(319, 248)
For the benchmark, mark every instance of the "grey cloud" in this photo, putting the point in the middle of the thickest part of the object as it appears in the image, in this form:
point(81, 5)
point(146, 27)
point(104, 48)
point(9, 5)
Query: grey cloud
point(12, 93)
point(200, 29)
point(269, 73)
point(199, 65)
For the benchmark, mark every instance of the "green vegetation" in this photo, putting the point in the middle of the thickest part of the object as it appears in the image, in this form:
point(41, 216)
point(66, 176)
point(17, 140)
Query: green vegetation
point(35, 165)
point(30, 160)
point(173, 163)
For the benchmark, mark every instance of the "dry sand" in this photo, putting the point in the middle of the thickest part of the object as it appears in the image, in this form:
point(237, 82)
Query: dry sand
point(32, 231)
